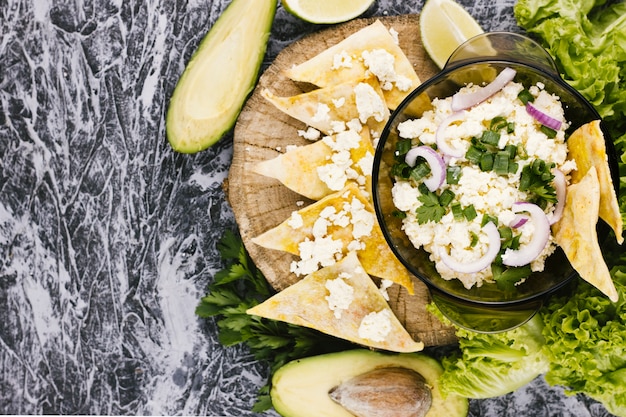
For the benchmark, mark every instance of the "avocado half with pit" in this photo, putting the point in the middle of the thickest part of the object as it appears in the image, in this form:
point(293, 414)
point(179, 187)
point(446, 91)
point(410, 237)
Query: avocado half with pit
point(302, 388)
point(219, 77)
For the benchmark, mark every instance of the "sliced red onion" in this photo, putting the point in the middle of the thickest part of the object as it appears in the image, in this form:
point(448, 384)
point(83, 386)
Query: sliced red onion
point(444, 146)
point(560, 185)
point(462, 100)
point(434, 160)
point(519, 221)
point(484, 261)
point(530, 251)
point(542, 117)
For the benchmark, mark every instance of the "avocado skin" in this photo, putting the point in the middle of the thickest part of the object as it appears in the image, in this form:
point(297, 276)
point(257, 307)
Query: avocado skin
point(246, 22)
point(301, 387)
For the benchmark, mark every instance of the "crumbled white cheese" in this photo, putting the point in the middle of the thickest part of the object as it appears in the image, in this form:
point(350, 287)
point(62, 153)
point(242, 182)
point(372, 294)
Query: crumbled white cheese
point(338, 170)
point(337, 126)
point(295, 220)
point(316, 253)
point(366, 163)
point(340, 294)
point(322, 113)
point(355, 125)
point(381, 63)
point(341, 60)
point(403, 83)
point(384, 285)
point(311, 134)
point(376, 326)
point(369, 103)
point(362, 220)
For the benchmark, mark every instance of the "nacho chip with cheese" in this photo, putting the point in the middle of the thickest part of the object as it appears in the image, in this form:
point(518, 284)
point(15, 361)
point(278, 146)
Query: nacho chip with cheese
point(587, 147)
point(576, 233)
point(325, 166)
point(331, 109)
point(330, 228)
point(341, 300)
point(373, 50)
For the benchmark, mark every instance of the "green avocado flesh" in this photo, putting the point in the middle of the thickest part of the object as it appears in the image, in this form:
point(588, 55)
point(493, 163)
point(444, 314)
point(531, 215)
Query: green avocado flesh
point(300, 388)
point(219, 77)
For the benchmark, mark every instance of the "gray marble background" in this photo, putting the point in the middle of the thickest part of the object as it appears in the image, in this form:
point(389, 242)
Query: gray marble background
point(107, 237)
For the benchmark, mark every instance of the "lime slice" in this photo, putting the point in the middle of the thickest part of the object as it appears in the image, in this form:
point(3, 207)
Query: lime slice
point(444, 25)
point(326, 11)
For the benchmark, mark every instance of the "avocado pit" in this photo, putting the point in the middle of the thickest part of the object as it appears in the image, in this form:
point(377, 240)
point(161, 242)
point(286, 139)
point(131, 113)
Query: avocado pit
point(384, 392)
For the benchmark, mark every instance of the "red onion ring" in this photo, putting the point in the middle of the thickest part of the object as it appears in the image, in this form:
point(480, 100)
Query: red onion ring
point(434, 160)
point(461, 101)
point(481, 263)
point(530, 251)
point(542, 117)
point(444, 146)
point(560, 185)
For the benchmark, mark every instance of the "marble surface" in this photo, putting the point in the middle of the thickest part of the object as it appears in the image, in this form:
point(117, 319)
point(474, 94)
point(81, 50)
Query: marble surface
point(107, 237)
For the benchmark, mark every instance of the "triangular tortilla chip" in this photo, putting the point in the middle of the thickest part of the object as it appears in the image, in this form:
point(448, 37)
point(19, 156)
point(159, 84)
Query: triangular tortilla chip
point(587, 147)
point(335, 225)
point(344, 61)
point(576, 233)
point(305, 303)
point(320, 169)
point(329, 109)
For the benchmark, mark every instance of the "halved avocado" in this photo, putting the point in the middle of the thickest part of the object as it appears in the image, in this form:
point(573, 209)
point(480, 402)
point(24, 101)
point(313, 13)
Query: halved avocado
point(220, 75)
point(301, 387)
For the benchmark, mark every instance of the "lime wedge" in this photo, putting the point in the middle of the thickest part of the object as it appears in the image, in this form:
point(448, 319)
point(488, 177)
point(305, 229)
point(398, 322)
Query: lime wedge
point(326, 11)
point(444, 25)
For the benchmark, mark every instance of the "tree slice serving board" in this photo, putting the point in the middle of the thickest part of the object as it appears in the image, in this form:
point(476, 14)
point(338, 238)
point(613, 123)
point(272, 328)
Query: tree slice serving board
point(262, 132)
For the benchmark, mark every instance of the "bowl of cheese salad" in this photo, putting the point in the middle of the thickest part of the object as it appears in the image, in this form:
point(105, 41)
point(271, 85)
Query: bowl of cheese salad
point(469, 175)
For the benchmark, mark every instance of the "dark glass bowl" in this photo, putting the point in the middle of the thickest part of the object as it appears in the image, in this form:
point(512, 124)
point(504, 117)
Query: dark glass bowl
point(486, 308)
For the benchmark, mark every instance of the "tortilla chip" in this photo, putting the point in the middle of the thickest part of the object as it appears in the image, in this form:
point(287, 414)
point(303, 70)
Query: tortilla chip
point(587, 147)
point(344, 220)
point(329, 109)
point(309, 170)
point(344, 61)
point(305, 304)
point(576, 233)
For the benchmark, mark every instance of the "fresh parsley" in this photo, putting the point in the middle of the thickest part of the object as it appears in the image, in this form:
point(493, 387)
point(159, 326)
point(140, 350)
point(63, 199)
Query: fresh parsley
point(240, 286)
point(431, 209)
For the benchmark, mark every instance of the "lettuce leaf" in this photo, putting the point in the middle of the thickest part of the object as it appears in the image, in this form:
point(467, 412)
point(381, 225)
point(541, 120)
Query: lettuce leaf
point(587, 39)
point(585, 338)
point(493, 364)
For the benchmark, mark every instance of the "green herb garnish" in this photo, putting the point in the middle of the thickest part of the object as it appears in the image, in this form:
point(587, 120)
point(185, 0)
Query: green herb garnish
point(431, 209)
point(536, 178)
point(526, 97)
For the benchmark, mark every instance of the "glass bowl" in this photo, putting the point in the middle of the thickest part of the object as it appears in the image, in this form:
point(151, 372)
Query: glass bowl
point(486, 308)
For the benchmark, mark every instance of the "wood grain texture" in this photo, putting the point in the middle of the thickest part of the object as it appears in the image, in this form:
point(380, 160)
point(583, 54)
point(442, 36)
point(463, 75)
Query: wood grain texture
point(262, 132)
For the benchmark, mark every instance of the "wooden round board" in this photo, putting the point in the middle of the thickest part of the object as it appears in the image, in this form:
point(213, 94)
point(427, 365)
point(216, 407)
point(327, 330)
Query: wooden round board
point(262, 132)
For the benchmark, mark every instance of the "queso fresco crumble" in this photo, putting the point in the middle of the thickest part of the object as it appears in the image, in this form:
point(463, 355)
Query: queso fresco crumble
point(478, 185)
